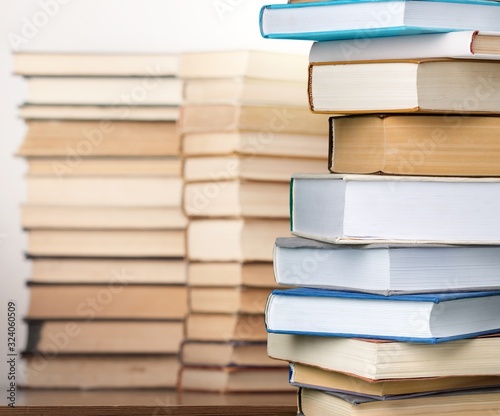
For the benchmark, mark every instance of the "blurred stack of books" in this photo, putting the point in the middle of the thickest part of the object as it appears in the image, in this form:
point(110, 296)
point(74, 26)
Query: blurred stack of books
point(106, 231)
point(245, 128)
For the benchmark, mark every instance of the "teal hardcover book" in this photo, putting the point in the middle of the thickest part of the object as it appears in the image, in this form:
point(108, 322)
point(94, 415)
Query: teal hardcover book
point(351, 19)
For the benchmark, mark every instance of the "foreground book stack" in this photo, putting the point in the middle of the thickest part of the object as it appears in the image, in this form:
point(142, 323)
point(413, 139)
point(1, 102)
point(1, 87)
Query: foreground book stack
point(397, 293)
point(105, 225)
point(245, 128)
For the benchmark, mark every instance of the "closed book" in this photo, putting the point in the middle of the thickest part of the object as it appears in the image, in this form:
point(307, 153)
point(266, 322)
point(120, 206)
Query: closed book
point(377, 208)
point(386, 268)
point(101, 371)
point(241, 240)
point(328, 20)
point(125, 91)
point(225, 327)
point(236, 198)
point(317, 378)
point(105, 336)
point(224, 354)
point(417, 144)
point(227, 299)
point(375, 359)
point(442, 86)
point(70, 112)
point(429, 318)
point(231, 274)
point(467, 44)
point(95, 64)
point(76, 139)
point(475, 402)
point(234, 379)
point(114, 300)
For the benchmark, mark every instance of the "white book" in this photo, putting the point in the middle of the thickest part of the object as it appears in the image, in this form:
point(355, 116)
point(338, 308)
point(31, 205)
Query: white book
point(470, 44)
point(365, 208)
point(386, 268)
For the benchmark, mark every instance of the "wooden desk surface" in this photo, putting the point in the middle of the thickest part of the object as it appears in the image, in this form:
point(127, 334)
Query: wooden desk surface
point(148, 402)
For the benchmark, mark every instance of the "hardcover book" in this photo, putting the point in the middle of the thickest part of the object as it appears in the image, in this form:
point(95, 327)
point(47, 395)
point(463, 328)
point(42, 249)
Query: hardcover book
point(345, 19)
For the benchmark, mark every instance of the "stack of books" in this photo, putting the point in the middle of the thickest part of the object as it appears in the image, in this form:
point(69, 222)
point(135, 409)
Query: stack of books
point(395, 264)
point(103, 214)
point(245, 127)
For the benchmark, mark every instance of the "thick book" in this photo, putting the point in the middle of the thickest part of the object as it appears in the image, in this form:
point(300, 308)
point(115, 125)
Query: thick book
point(236, 198)
point(224, 354)
point(375, 359)
point(467, 44)
point(103, 218)
point(102, 270)
point(329, 20)
point(386, 268)
point(225, 327)
point(377, 208)
point(231, 274)
point(99, 112)
point(101, 371)
point(105, 336)
point(218, 169)
point(232, 379)
point(429, 318)
point(86, 138)
point(104, 190)
point(236, 239)
point(417, 144)
point(95, 64)
point(402, 86)
point(264, 119)
point(114, 300)
point(227, 299)
point(110, 91)
point(106, 243)
point(320, 379)
point(475, 402)
point(248, 143)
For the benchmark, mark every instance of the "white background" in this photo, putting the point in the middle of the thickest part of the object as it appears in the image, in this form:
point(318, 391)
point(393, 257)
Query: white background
point(87, 26)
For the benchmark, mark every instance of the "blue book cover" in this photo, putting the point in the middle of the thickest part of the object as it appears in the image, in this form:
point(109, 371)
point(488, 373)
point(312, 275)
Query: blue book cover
point(409, 318)
point(354, 19)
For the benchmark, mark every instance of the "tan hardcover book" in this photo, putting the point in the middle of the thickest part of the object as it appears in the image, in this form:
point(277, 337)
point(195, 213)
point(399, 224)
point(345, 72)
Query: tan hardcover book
point(104, 191)
point(444, 145)
point(209, 274)
point(234, 239)
point(234, 379)
point(250, 143)
point(225, 327)
point(63, 167)
point(266, 119)
point(106, 243)
point(101, 270)
point(101, 372)
point(243, 354)
point(105, 337)
point(236, 199)
point(116, 300)
point(75, 140)
point(227, 299)
point(102, 218)
point(303, 375)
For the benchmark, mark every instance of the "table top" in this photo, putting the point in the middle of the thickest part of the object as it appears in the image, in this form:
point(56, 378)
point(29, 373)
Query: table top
point(148, 402)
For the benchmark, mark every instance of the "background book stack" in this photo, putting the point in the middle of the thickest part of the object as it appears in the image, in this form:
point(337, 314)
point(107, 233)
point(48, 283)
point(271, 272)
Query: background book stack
point(245, 128)
point(396, 300)
point(106, 231)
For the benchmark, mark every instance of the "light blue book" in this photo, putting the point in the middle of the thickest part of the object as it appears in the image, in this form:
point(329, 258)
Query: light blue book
point(351, 19)
point(426, 318)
